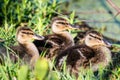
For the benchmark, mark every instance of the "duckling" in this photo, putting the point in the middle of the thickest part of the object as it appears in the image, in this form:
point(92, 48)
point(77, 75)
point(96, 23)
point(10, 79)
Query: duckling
point(94, 49)
point(59, 40)
point(24, 37)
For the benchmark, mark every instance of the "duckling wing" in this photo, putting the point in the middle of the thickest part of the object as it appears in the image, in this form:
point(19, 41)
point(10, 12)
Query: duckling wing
point(19, 51)
point(51, 44)
point(86, 51)
point(49, 41)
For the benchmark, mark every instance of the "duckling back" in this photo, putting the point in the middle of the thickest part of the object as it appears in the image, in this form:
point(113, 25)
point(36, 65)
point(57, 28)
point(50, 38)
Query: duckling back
point(102, 58)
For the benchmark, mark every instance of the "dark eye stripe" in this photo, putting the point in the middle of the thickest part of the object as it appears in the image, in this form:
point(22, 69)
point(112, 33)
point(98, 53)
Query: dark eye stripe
point(63, 23)
point(95, 37)
point(27, 33)
point(60, 23)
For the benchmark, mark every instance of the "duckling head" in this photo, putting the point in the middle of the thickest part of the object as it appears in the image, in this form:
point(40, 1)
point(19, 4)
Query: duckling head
point(93, 38)
point(25, 34)
point(60, 24)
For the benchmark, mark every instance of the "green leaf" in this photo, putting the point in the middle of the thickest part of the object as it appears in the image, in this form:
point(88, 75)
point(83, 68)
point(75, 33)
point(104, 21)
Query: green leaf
point(23, 73)
point(41, 69)
point(54, 76)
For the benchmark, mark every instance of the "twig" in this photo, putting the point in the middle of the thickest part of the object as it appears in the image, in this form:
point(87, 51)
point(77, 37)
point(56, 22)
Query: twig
point(114, 6)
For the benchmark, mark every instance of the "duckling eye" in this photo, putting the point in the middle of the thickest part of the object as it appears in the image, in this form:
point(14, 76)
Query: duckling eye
point(67, 23)
point(90, 38)
point(62, 23)
point(30, 33)
point(99, 39)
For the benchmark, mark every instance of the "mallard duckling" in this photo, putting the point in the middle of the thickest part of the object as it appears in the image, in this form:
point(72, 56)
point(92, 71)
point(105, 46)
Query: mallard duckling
point(94, 50)
point(25, 37)
point(59, 40)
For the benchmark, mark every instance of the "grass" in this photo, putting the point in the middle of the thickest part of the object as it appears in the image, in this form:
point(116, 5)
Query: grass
point(38, 14)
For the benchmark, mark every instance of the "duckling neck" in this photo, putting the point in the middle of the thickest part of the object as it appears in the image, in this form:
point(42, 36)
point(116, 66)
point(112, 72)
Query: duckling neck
point(68, 38)
point(31, 49)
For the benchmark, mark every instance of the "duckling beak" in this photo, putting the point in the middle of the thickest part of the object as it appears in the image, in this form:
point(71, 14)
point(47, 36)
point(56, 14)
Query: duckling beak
point(109, 45)
point(72, 26)
point(38, 37)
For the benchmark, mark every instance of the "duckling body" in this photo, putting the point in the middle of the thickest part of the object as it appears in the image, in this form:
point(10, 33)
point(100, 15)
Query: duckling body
point(25, 45)
point(59, 40)
point(3, 53)
point(102, 57)
point(95, 54)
